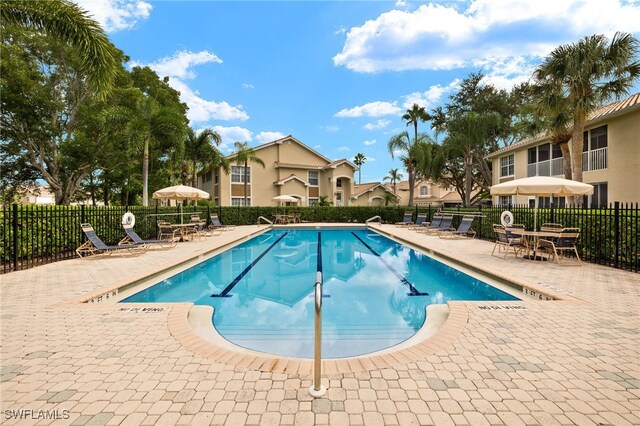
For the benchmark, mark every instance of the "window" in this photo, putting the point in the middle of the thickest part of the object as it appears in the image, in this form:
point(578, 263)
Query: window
point(533, 155)
point(313, 178)
point(424, 191)
point(314, 201)
point(207, 177)
point(339, 183)
point(598, 138)
point(217, 176)
point(239, 201)
point(545, 202)
point(556, 152)
point(544, 152)
point(237, 174)
point(599, 197)
point(505, 200)
point(506, 166)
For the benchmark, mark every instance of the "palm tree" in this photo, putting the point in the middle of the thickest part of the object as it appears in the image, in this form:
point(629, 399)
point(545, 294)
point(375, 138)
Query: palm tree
point(359, 160)
point(389, 199)
point(413, 115)
point(242, 157)
point(199, 149)
point(394, 177)
point(590, 73)
point(70, 23)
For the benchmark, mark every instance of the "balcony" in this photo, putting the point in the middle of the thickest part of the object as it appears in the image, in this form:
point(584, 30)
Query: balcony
point(594, 160)
point(545, 168)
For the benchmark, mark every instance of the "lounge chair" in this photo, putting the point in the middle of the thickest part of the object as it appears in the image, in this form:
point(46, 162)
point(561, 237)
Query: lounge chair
point(95, 246)
point(406, 220)
point(434, 224)
point(216, 224)
point(464, 229)
point(506, 240)
point(420, 219)
point(133, 238)
point(445, 225)
point(565, 241)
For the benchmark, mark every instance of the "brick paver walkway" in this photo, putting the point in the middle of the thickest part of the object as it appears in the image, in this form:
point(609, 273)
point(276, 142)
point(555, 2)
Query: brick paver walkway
point(571, 361)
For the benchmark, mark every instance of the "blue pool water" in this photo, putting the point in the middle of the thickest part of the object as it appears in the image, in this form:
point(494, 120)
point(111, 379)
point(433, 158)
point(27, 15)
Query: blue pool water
point(375, 291)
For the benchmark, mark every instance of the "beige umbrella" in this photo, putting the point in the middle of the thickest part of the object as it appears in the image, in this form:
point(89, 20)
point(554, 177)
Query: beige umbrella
point(542, 186)
point(180, 192)
point(285, 199)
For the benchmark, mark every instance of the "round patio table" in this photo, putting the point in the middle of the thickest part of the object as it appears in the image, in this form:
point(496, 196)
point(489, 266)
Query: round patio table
point(532, 240)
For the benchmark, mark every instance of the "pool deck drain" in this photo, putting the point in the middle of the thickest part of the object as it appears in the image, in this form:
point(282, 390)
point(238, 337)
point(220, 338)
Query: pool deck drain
point(570, 361)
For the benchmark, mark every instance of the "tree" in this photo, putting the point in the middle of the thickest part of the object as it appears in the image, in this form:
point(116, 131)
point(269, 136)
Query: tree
point(359, 160)
point(388, 198)
point(589, 73)
point(412, 116)
point(199, 149)
point(70, 24)
point(394, 177)
point(323, 201)
point(242, 157)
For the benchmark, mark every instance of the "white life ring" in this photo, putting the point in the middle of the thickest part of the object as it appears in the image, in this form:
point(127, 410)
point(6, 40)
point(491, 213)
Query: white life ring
point(506, 218)
point(128, 219)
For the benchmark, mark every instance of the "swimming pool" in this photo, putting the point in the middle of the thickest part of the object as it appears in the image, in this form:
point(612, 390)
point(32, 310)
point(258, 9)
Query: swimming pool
point(374, 295)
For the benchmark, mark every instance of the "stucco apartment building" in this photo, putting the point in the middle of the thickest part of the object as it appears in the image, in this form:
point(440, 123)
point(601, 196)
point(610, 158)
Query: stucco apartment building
point(291, 168)
point(610, 157)
point(426, 193)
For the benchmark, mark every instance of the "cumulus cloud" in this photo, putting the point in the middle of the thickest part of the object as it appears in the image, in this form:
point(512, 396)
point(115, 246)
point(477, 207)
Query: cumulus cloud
point(330, 128)
point(230, 135)
point(116, 15)
point(436, 36)
point(431, 96)
point(370, 142)
point(179, 67)
point(371, 109)
point(264, 137)
point(247, 86)
point(377, 125)
point(344, 149)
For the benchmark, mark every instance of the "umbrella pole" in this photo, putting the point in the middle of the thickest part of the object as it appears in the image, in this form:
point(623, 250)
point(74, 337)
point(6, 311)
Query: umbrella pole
point(535, 215)
point(180, 213)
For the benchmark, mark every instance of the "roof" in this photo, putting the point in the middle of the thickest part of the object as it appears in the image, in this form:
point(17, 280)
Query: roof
point(363, 188)
point(336, 163)
point(280, 141)
point(625, 106)
point(298, 166)
point(287, 179)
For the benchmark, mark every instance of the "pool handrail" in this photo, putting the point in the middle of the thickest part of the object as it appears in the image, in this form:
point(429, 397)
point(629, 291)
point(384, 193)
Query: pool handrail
point(317, 390)
point(265, 219)
point(371, 219)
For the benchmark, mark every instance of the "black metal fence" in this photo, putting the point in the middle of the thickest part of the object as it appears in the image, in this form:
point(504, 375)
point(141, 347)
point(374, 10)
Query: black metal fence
point(35, 235)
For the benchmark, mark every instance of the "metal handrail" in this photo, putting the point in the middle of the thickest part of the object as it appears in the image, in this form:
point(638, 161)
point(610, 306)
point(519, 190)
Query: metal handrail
point(265, 219)
point(317, 390)
point(371, 219)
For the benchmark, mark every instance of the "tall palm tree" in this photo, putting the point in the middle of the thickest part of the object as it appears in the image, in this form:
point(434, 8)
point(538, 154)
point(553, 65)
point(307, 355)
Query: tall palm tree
point(412, 116)
point(590, 73)
point(359, 160)
point(72, 24)
point(199, 149)
point(242, 157)
point(394, 177)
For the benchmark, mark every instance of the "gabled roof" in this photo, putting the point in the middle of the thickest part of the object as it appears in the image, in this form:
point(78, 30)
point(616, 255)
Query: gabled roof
point(287, 179)
point(280, 141)
point(336, 163)
point(298, 166)
point(364, 188)
point(625, 106)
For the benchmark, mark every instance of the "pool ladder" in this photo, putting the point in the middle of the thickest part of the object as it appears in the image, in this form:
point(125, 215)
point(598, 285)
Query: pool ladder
point(317, 390)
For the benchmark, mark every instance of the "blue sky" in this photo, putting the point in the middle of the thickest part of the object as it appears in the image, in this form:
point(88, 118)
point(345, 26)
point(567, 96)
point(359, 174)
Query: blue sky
point(338, 75)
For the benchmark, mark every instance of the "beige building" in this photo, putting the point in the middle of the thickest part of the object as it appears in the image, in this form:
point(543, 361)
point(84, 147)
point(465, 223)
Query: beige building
point(427, 193)
point(291, 168)
point(371, 194)
point(610, 157)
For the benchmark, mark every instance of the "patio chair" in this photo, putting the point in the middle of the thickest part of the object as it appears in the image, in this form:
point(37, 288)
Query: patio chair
point(551, 227)
point(95, 246)
point(133, 238)
point(406, 220)
point(434, 224)
point(506, 240)
point(445, 225)
point(464, 229)
point(420, 219)
point(565, 242)
point(216, 224)
point(168, 233)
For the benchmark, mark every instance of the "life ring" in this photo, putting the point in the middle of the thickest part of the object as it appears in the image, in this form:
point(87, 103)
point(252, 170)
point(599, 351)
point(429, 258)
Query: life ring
point(506, 218)
point(128, 219)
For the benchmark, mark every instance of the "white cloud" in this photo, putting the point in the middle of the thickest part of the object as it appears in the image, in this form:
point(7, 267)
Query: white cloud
point(369, 143)
point(116, 15)
point(229, 135)
point(371, 109)
point(341, 30)
point(431, 96)
point(497, 32)
point(330, 128)
point(377, 125)
point(401, 3)
point(317, 147)
point(344, 149)
point(178, 68)
point(247, 86)
point(264, 137)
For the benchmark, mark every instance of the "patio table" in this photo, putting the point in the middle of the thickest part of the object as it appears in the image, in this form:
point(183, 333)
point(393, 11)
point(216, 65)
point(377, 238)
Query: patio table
point(532, 240)
point(183, 227)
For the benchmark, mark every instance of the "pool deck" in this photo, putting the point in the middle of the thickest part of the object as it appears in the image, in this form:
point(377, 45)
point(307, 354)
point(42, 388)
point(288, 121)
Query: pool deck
point(570, 361)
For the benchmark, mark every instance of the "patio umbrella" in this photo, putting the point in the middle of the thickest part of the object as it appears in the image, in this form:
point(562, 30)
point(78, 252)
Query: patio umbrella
point(180, 192)
point(285, 199)
point(542, 186)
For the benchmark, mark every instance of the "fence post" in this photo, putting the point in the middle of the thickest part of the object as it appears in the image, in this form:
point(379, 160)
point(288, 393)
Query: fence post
point(208, 215)
point(480, 218)
point(552, 219)
point(14, 225)
point(616, 232)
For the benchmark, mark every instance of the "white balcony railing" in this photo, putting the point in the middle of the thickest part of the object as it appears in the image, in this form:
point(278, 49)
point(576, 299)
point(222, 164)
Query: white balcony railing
point(594, 160)
point(545, 168)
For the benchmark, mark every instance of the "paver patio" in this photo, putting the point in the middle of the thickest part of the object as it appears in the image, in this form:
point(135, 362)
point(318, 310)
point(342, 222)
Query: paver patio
point(570, 361)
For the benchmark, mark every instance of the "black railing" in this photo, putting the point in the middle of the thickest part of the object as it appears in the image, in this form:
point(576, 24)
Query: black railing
point(35, 235)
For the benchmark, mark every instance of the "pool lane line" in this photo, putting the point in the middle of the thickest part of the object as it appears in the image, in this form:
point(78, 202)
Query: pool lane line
point(236, 280)
point(412, 290)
